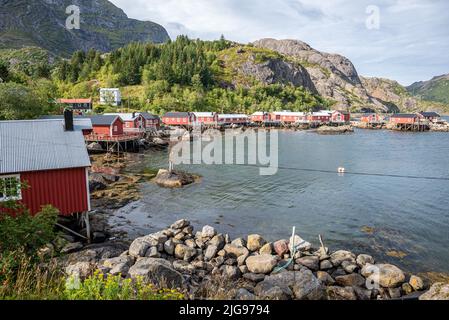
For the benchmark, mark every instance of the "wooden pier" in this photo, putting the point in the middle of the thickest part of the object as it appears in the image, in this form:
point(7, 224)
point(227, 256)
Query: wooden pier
point(121, 143)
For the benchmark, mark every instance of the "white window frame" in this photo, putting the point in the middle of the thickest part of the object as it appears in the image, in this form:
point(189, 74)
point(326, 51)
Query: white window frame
point(19, 192)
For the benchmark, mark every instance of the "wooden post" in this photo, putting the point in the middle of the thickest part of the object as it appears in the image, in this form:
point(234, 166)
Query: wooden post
point(86, 220)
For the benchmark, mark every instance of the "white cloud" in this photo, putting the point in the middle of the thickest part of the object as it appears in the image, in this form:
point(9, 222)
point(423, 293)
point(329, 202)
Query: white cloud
point(411, 44)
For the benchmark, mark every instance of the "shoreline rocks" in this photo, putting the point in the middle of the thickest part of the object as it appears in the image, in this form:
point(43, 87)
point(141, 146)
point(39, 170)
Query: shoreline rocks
point(178, 257)
point(175, 179)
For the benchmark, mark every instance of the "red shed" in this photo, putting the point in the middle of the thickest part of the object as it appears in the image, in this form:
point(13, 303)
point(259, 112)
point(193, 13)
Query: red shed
point(259, 117)
point(206, 118)
point(107, 125)
point(133, 122)
point(340, 116)
point(370, 118)
point(179, 118)
point(405, 118)
point(50, 159)
point(321, 117)
point(288, 116)
point(152, 122)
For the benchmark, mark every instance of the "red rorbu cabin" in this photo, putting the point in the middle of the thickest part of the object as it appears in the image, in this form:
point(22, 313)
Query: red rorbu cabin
point(340, 116)
point(206, 118)
point(179, 119)
point(230, 119)
point(320, 117)
point(152, 122)
point(289, 117)
point(50, 160)
point(370, 118)
point(109, 126)
point(259, 117)
point(405, 118)
point(132, 122)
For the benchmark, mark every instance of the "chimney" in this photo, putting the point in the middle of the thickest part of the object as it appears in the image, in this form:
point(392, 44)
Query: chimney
point(134, 114)
point(68, 119)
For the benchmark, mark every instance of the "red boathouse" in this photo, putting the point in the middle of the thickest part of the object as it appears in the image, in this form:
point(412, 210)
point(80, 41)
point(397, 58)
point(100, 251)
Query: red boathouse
point(109, 126)
point(50, 158)
point(405, 118)
point(179, 119)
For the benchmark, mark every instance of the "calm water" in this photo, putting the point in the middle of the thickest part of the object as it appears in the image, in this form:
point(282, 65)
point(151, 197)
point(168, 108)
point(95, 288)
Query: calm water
point(410, 216)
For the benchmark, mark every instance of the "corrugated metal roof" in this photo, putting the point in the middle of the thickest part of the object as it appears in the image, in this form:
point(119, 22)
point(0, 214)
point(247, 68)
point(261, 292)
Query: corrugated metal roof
point(125, 116)
point(149, 116)
point(177, 115)
point(232, 116)
point(79, 123)
point(204, 114)
point(37, 145)
point(103, 120)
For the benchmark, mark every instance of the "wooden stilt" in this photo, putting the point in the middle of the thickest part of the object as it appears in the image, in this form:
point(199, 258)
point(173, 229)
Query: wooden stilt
point(87, 221)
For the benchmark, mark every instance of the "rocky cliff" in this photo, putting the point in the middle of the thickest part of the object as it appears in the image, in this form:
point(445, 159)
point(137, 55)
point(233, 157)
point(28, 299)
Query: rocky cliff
point(41, 23)
point(333, 75)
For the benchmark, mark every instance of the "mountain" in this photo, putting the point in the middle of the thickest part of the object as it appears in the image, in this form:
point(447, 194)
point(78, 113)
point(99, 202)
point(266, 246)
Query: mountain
point(390, 92)
point(333, 76)
point(436, 89)
point(41, 23)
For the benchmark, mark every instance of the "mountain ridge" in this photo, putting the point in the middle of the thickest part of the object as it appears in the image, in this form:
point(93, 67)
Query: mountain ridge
point(41, 23)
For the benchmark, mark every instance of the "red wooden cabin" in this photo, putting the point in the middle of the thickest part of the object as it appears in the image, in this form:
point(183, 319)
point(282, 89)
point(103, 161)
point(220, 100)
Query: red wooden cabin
point(152, 122)
point(50, 160)
point(288, 116)
point(229, 119)
point(431, 116)
point(107, 125)
point(206, 118)
point(405, 118)
point(133, 122)
point(370, 118)
point(259, 117)
point(179, 119)
point(321, 117)
point(340, 116)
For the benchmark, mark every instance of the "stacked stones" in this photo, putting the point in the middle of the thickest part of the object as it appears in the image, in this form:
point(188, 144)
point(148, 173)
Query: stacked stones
point(178, 257)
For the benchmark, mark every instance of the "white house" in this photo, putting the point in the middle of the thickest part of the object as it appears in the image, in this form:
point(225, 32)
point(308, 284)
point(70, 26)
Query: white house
point(110, 96)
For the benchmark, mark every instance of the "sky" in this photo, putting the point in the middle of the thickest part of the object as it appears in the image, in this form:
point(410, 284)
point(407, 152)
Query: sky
point(403, 40)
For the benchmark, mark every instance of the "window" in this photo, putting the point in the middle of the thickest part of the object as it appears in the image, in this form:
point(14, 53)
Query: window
point(10, 188)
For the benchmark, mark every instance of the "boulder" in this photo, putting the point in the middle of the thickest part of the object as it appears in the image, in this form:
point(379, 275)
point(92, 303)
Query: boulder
point(438, 291)
point(341, 293)
point(255, 242)
point(152, 252)
point(407, 288)
point(349, 267)
point(169, 247)
point(210, 252)
point(184, 252)
point(362, 293)
point(173, 179)
point(325, 278)
point(268, 291)
point(311, 262)
point(386, 275)
point(363, 259)
point(97, 182)
point(394, 293)
point(230, 272)
point(350, 280)
point(180, 224)
point(307, 286)
point(140, 246)
point(326, 265)
point(112, 262)
point(281, 247)
point(339, 256)
point(218, 241)
point(261, 264)
point(239, 242)
point(208, 232)
point(266, 249)
point(254, 277)
point(417, 283)
point(156, 271)
point(235, 250)
point(299, 243)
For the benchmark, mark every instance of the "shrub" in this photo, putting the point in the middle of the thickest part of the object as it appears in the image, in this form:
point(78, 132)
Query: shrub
point(100, 287)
